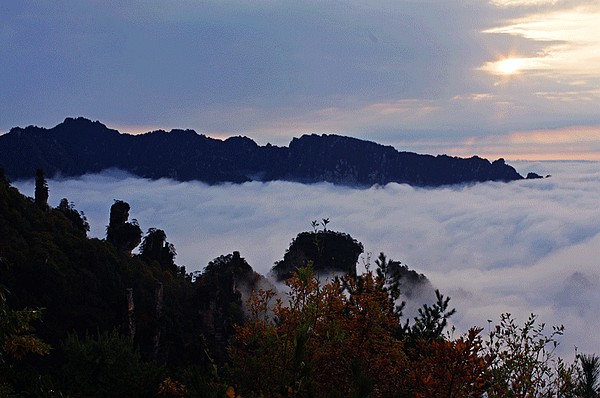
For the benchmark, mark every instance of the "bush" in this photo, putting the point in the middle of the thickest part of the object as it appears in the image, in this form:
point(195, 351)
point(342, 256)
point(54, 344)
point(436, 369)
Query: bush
point(107, 366)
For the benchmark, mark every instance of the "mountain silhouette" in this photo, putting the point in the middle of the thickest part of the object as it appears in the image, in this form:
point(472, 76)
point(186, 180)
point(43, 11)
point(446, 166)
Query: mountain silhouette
point(79, 146)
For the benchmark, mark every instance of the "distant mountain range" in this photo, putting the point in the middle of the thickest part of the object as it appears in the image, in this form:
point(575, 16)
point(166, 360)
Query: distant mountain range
point(79, 146)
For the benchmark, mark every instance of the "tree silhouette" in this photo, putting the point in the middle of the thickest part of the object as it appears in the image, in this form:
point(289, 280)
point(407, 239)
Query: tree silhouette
point(76, 217)
point(523, 360)
point(41, 190)
point(429, 325)
point(589, 376)
point(155, 247)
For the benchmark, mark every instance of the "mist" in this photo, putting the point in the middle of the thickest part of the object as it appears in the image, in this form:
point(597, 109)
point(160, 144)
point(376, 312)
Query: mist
point(523, 247)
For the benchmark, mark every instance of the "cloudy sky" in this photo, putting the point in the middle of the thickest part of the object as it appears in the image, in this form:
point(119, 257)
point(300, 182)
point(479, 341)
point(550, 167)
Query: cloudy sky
point(530, 246)
point(512, 78)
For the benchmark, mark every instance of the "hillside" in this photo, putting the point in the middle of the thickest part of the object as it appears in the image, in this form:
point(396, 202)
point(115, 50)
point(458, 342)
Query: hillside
point(79, 146)
point(90, 287)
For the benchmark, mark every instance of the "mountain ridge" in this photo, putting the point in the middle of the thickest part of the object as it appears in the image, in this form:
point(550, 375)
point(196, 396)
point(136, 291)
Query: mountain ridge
point(78, 146)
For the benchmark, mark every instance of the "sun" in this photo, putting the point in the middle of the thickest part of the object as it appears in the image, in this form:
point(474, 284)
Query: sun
point(510, 66)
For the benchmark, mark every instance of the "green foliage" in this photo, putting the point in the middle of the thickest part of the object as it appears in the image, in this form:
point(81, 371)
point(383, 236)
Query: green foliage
point(76, 217)
point(523, 360)
point(430, 323)
point(16, 332)
point(199, 383)
point(47, 261)
point(155, 247)
point(588, 383)
point(107, 366)
point(17, 341)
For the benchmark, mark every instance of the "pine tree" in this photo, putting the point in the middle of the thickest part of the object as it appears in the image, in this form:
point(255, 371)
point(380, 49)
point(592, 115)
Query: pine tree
point(589, 377)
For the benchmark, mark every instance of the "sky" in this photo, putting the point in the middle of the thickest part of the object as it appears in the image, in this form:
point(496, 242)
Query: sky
point(529, 246)
point(518, 79)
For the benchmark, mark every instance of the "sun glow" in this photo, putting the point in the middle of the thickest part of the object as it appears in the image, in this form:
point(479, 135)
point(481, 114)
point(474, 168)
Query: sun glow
point(568, 40)
point(510, 66)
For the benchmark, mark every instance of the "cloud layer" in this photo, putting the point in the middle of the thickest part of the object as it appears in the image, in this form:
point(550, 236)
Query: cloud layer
point(528, 246)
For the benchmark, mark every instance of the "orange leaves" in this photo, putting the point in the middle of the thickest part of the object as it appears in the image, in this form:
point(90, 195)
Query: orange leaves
point(343, 338)
point(455, 368)
point(231, 393)
point(21, 345)
point(171, 389)
point(335, 338)
point(16, 338)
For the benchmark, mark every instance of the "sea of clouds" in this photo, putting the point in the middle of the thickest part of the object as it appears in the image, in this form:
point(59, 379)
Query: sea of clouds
point(530, 246)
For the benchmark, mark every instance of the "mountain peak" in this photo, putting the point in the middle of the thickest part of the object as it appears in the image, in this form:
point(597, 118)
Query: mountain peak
point(79, 145)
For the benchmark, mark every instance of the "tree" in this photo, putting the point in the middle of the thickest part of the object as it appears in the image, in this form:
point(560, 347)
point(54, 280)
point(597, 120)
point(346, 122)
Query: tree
point(17, 339)
point(588, 384)
point(219, 298)
point(107, 366)
point(450, 368)
point(76, 217)
point(16, 332)
point(387, 271)
point(429, 325)
point(41, 190)
point(155, 247)
point(326, 340)
point(523, 362)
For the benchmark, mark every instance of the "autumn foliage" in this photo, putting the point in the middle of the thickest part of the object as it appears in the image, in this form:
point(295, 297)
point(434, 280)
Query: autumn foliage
point(321, 341)
point(344, 338)
point(450, 368)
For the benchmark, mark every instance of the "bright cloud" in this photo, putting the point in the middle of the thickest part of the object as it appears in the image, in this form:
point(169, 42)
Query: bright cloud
point(511, 66)
point(571, 40)
point(567, 143)
point(521, 247)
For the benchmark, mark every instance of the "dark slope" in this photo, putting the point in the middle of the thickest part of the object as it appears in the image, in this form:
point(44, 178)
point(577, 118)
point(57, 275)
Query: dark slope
point(47, 261)
point(85, 286)
point(79, 146)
